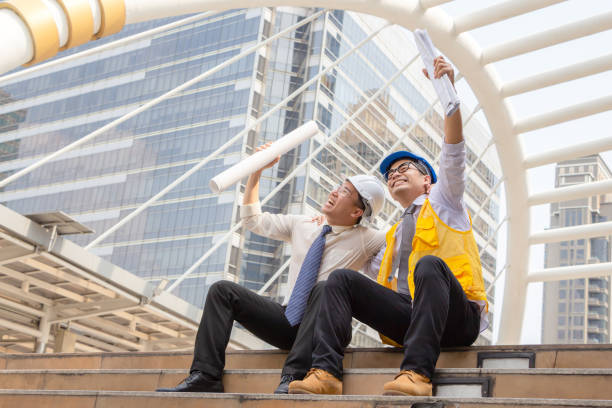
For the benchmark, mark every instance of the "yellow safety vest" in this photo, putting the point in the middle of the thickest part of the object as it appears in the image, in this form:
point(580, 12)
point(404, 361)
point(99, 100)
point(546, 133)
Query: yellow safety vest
point(459, 251)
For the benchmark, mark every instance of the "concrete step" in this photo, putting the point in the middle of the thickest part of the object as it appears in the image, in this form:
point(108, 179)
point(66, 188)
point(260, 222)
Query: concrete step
point(499, 383)
point(118, 399)
point(546, 356)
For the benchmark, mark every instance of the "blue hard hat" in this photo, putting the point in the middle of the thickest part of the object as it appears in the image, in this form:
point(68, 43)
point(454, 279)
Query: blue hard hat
point(393, 157)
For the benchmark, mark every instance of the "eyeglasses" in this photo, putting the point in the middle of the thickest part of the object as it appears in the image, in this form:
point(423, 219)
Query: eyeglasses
point(343, 191)
point(402, 168)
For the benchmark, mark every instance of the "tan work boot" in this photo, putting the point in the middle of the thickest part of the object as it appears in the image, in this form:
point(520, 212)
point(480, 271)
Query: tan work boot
point(409, 383)
point(317, 381)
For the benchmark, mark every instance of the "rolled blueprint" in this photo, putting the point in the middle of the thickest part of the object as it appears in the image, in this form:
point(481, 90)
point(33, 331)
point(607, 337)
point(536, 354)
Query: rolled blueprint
point(258, 160)
point(444, 88)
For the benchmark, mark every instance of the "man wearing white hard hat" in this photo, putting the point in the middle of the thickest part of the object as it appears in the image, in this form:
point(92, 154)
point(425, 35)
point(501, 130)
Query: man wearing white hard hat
point(429, 291)
point(316, 251)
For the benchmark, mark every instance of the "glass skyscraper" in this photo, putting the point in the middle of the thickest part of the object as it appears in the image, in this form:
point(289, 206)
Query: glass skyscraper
point(104, 180)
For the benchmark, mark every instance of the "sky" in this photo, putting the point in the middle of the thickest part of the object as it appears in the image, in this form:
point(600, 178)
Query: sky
point(551, 98)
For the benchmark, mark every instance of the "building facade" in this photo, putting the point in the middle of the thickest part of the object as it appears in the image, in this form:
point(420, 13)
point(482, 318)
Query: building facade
point(577, 311)
point(104, 180)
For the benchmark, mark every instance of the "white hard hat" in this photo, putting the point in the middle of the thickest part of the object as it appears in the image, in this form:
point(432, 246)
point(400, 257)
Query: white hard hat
point(372, 193)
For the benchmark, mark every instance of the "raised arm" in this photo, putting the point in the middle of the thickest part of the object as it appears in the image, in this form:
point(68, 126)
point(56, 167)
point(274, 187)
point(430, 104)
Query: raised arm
point(251, 193)
point(451, 182)
point(453, 127)
point(275, 226)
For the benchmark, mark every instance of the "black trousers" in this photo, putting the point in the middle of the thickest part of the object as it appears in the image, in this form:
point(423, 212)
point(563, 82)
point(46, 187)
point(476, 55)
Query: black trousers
point(227, 302)
point(440, 316)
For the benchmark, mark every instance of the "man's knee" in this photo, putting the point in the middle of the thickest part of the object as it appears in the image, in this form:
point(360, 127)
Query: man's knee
point(318, 287)
point(340, 277)
point(429, 267)
point(316, 291)
point(221, 288)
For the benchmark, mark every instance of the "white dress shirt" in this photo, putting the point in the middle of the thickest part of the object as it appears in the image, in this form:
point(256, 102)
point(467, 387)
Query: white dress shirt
point(345, 247)
point(446, 198)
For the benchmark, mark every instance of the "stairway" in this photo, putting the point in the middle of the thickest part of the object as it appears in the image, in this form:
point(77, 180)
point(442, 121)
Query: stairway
point(487, 376)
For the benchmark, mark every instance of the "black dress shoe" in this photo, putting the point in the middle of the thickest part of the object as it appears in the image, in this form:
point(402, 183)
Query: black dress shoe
point(283, 387)
point(196, 382)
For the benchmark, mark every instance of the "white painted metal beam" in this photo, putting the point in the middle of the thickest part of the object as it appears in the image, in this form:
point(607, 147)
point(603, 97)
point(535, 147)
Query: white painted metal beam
point(76, 280)
point(543, 39)
point(10, 304)
point(568, 152)
point(571, 272)
point(499, 12)
point(572, 112)
point(556, 76)
point(121, 306)
point(23, 295)
point(433, 3)
point(497, 276)
point(97, 333)
point(41, 284)
point(20, 328)
point(102, 345)
point(147, 323)
point(598, 229)
point(571, 192)
point(21, 74)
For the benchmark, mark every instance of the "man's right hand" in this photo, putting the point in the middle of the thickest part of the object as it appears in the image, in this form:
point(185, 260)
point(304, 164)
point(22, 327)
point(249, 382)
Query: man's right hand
point(273, 162)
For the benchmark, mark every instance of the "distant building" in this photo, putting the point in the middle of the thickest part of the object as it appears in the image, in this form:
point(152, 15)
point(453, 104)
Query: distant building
point(577, 311)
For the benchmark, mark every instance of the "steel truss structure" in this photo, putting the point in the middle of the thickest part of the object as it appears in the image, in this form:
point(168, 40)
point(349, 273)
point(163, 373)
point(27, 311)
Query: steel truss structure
point(58, 296)
point(26, 30)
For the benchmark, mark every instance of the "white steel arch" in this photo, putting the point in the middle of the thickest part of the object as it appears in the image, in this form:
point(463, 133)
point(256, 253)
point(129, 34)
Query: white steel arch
point(475, 62)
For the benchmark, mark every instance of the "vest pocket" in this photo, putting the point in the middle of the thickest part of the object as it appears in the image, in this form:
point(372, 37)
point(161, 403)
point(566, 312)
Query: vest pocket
point(425, 236)
point(462, 269)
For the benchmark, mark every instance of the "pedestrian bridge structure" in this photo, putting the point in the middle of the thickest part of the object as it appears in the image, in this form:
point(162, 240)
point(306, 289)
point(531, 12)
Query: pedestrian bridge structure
point(47, 279)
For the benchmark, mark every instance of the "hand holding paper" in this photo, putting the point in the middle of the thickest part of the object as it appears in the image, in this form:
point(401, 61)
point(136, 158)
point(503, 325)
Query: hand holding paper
point(442, 84)
point(263, 158)
point(273, 162)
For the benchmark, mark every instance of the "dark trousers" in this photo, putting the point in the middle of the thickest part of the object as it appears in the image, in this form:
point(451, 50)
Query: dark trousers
point(440, 315)
point(227, 302)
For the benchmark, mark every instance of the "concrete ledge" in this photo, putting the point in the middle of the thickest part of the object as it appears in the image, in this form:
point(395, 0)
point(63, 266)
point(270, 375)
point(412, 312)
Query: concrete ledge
point(271, 400)
point(547, 356)
point(500, 383)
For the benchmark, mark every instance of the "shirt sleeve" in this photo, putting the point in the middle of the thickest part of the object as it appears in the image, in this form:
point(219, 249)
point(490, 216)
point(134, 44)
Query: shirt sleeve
point(450, 187)
point(275, 226)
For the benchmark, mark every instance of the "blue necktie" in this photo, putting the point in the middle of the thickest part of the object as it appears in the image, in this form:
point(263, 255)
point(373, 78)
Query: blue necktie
point(306, 279)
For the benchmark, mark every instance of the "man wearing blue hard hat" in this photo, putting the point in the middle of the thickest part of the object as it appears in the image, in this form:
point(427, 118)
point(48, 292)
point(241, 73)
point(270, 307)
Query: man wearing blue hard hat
point(429, 291)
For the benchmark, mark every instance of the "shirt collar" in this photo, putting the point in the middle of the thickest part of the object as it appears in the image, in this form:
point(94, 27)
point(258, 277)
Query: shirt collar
point(336, 229)
point(420, 200)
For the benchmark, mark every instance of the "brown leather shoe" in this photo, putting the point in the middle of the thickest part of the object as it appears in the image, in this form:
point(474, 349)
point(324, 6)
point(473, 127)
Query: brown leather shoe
point(409, 383)
point(317, 381)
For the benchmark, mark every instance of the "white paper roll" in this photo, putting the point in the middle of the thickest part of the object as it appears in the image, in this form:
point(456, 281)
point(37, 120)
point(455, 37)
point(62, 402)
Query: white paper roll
point(258, 160)
point(445, 90)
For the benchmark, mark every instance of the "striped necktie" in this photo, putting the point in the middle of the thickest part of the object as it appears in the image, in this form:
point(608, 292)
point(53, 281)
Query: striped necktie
point(306, 279)
point(408, 227)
